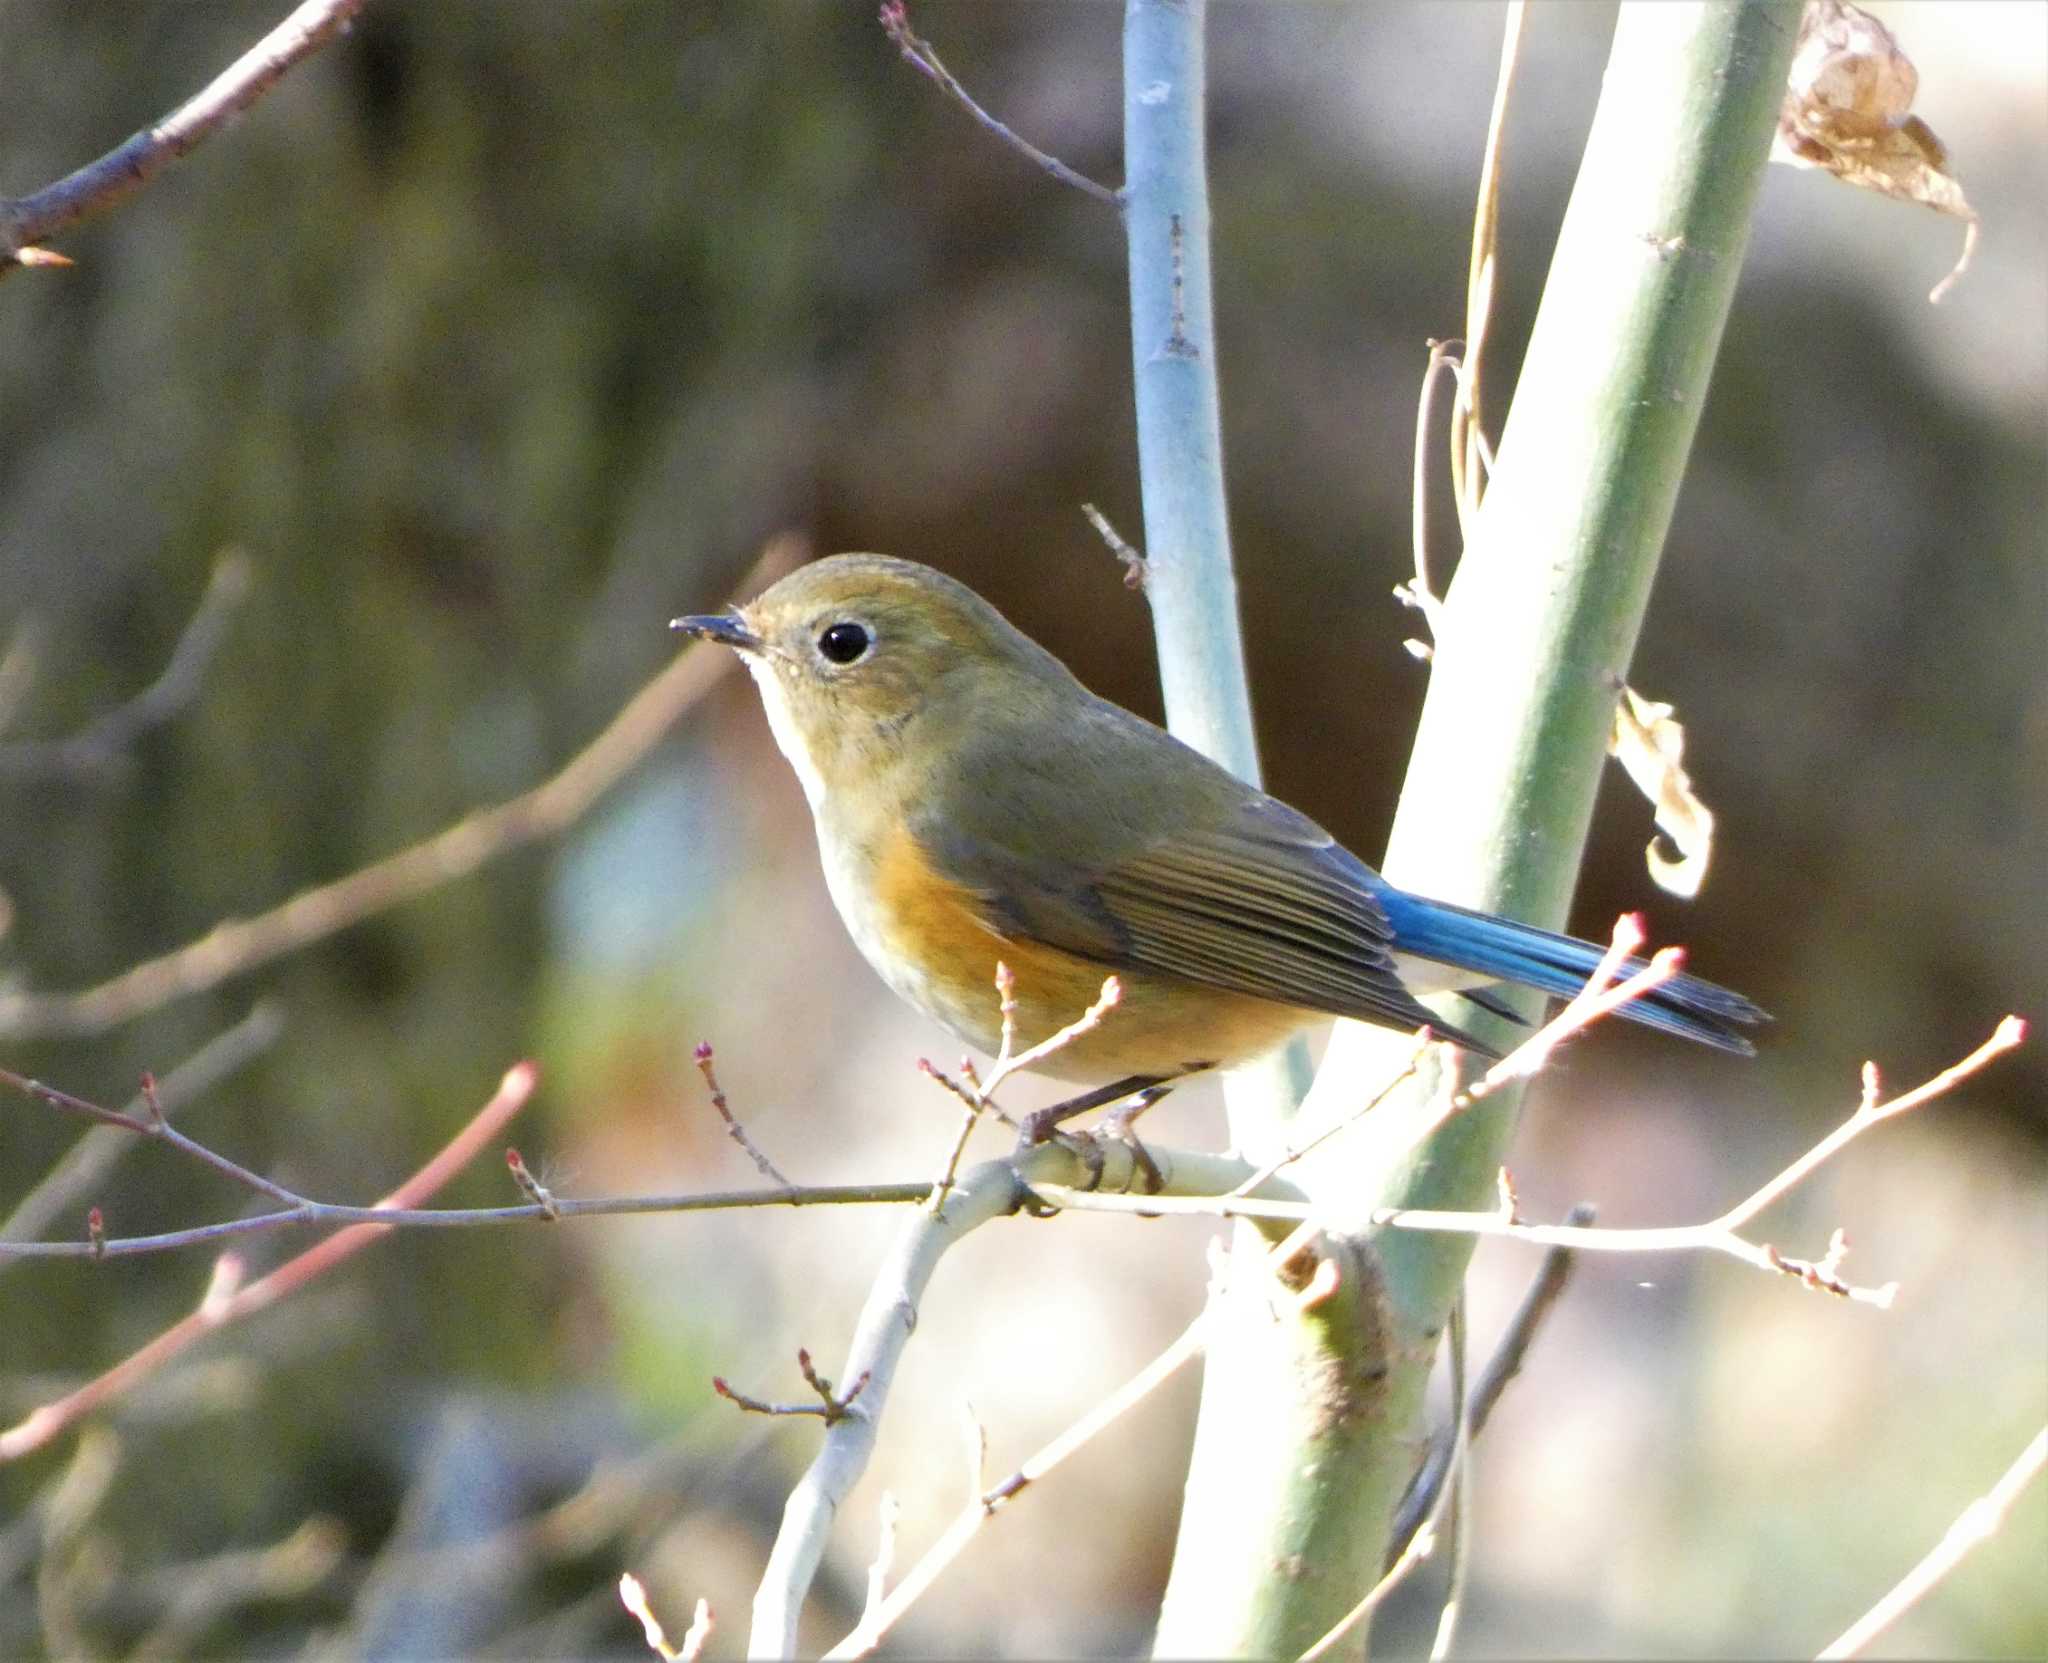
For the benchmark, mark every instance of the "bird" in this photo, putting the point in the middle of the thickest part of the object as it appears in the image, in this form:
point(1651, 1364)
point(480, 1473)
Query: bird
point(975, 803)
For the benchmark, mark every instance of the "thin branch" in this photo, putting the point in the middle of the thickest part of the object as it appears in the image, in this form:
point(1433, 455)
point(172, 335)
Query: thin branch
point(1456, 1498)
point(704, 1057)
point(1978, 1523)
point(881, 1616)
point(1506, 1362)
point(227, 1300)
point(126, 169)
point(1468, 435)
point(992, 1190)
point(240, 945)
point(918, 53)
point(1007, 1063)
point(830, 1406)
point(105, 741)
point(87, 1163)
point(1718, 1235)
point(1133, 562)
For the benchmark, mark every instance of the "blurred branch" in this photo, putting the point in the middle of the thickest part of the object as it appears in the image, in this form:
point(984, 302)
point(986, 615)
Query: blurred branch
point(88, 1161)
point(1468, 431)
point(918, 53)
point(884, 1614)
point(240, 945)
point(198, 1593)
point(118, 175)
point(1979, 1522)
point(227, 1300)
point(1501, 1368)
point(105, 740)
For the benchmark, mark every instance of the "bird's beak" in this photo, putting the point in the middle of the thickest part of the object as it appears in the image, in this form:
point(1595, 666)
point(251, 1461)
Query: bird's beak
point(726, 628)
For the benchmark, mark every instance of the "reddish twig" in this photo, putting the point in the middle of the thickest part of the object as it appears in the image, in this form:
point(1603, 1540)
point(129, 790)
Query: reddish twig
point(1135, 569)
point(831, 1406)
point(704, 1056)
point(227, 1300)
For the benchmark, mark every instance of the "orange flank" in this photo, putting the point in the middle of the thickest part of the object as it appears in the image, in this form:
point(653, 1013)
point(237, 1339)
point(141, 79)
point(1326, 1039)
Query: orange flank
point(938, 949)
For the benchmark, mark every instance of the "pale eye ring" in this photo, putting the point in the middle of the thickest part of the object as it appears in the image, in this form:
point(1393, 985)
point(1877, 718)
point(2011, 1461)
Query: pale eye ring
point(844, 642)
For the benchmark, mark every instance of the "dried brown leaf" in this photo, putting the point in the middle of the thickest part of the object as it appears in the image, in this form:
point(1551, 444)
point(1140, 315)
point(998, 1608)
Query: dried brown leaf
point(1847, 111)
point(1651, 747)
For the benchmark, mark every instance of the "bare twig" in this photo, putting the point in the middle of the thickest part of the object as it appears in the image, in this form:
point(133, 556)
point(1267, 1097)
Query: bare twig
point(1133, 562)
point(227, 1300)
point(979, 1097)
point(86, 1164)
point(240, 945)
point(1423, 1040)
point(882, 1615)
point(1419, 1548)
point(105, 741)
point(1468, 438)
point(832, 1406)
point(633, 1596)
point(126, 169)
point(1011, 1061)
point(918, 53)
point(704, 1057)
point(1978, 1523)
point(531, 1187)
point(1506, 1362)
point(1716, 1235)
point(985, 1192)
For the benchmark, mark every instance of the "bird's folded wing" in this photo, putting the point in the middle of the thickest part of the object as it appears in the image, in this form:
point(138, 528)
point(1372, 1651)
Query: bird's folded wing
point(1263, 904)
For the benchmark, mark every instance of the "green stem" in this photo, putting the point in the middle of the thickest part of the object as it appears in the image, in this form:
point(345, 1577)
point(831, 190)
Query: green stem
point(1539, 628)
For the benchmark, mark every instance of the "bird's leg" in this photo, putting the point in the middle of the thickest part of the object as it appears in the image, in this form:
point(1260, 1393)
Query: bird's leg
point(1040, 1124)
point(1143, 1089)
point(1118, 1123)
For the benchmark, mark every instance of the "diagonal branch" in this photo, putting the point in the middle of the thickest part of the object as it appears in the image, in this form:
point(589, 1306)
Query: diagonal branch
point(104, 740)
point(240, 945)
point(918, 53)
point(125, 169)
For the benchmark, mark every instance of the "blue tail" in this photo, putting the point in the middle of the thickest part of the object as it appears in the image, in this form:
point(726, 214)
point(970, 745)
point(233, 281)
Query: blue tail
point(1510, 952)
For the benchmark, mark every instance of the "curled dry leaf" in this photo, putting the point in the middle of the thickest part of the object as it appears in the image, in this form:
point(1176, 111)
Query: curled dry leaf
point(1651, 746)
point(1847, 110)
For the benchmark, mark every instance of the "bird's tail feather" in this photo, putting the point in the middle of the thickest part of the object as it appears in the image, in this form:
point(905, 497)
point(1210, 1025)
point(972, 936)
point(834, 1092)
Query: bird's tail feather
point(1688, 1006)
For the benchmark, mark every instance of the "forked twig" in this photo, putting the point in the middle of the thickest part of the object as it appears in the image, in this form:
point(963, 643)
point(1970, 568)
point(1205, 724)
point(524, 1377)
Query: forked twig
point(918, 53)
point(227, 1300)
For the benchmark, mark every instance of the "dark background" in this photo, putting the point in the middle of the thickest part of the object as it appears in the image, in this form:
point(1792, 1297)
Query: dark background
point(499, 334)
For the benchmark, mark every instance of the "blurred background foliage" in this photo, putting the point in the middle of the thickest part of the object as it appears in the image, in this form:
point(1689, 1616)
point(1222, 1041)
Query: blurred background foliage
point(500, 333)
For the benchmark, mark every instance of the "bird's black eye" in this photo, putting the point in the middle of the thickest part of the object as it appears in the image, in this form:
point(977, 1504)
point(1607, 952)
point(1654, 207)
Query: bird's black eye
point(842, 643)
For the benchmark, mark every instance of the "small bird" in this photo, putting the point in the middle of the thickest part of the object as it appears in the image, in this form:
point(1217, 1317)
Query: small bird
point(974, 803)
